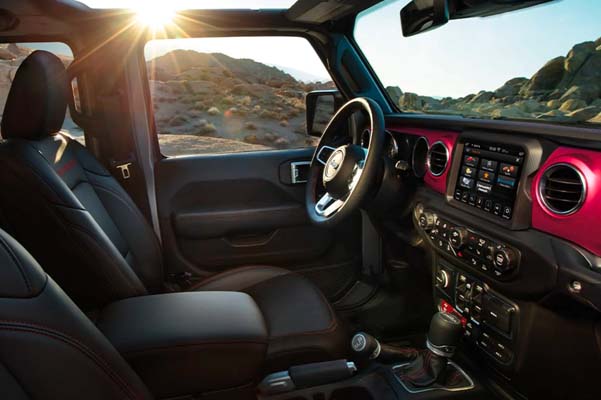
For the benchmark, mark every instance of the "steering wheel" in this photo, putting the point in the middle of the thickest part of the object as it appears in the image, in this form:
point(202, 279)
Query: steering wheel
point(344, 172)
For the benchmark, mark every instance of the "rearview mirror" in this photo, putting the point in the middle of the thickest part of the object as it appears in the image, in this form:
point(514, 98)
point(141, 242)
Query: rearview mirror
point(422, 15)
point(321, 105)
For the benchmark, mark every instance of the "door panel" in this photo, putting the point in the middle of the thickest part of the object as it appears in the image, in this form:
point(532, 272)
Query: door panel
point(222, 211)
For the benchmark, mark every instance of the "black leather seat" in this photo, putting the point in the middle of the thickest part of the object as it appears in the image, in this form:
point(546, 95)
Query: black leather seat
point(80, 224)
point(49, 349)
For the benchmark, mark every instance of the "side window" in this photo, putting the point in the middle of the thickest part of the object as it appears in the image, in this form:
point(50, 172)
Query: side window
point(11, 57)
point(234, 94)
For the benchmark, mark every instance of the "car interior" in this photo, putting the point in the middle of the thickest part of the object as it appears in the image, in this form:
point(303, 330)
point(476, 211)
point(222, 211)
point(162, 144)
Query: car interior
point(360, 242)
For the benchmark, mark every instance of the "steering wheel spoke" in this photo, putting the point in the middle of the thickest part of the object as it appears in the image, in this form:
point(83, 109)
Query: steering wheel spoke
point(324, 153)
point(328, 205)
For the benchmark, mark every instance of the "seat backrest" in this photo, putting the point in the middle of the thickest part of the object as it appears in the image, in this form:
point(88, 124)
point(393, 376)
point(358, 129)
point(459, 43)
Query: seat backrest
point(49, 349)
point(62, 204)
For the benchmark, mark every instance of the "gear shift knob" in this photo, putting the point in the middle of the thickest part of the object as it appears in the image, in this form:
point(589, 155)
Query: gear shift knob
point(365, 346)
point(444, 334)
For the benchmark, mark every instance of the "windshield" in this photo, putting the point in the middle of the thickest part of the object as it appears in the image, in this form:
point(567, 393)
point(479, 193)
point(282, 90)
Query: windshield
point(540, 63)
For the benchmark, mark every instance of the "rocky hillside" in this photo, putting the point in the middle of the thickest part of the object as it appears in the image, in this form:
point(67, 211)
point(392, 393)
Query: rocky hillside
point(214, 95)
point(565, 89)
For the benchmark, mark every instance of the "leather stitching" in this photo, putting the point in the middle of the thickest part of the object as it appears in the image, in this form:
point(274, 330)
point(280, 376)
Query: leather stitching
point(18, 264)
point(19, 326)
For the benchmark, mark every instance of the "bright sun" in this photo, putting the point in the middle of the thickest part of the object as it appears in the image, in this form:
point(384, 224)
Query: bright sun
point(155, 15)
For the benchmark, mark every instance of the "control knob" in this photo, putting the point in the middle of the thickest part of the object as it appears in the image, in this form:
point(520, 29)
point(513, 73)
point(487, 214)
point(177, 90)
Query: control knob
point(426, 220)
point(504, 259)
point(458, 237)
point(442, 278)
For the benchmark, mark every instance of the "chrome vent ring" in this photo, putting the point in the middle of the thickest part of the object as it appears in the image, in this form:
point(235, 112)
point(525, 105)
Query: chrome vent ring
point(562, 189)
point(438, 158)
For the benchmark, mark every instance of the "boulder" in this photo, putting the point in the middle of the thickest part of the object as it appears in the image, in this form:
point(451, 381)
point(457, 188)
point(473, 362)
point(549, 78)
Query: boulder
point(509, 112)
point(530, 106)
point(587, 93)
point(589, 72)
point(482, 97)
point(577, 56)
point(546, 79)
point(410, 101)
point(510, 88)
point(572, 105)
point(584, 114)
point(596, 119)
point(213, 111)
point(395, 93)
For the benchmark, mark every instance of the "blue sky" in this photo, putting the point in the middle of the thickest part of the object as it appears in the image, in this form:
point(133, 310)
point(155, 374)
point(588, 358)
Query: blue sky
point(465, 56)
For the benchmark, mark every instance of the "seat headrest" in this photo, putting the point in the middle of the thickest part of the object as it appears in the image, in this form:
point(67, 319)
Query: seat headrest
point(37, 101)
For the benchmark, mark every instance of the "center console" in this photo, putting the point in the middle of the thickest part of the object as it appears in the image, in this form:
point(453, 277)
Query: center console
point(489, 318)
point(183, 344)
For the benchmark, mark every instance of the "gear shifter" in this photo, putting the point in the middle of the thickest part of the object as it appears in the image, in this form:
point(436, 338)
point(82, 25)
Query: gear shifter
point(429, 366)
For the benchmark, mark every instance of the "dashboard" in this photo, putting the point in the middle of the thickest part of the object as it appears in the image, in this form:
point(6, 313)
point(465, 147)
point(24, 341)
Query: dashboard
point(512, 223)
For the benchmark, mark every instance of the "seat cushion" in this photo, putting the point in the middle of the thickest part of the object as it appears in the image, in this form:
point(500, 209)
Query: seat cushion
point(302, 326)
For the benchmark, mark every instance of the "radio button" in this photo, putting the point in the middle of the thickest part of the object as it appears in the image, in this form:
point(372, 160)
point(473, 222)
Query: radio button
point(509, 170)
point(470, 161)
point(489, 165)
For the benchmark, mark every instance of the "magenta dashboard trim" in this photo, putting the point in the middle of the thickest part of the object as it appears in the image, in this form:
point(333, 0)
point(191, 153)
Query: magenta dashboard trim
point(583, 227)
point(448, 138)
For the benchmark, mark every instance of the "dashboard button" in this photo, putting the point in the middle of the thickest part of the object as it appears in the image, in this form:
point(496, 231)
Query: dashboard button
point(468, 171)
point(472, 199)
point(464, 197)
point(457, 195)
point(483, 187)
point(466, 182)
point(489, 165)
point(509, 170)
point(471, 161)
point(486, 176)
point(508, 183)
point(479, 202)
point(507, 210)
point(487, 205)
point(497, 209)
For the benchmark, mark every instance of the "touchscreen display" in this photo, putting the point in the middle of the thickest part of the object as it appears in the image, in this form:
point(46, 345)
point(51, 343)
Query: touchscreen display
point(489, 177)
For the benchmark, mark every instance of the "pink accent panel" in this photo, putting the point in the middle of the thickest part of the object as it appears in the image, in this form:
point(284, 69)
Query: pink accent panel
point(584, 226)
point(437, 183)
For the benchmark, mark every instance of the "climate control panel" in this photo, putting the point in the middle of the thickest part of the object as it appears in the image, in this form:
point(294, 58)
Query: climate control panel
point(488, 256)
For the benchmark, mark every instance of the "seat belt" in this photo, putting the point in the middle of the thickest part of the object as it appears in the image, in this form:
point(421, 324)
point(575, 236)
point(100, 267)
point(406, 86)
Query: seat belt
point(118, 150)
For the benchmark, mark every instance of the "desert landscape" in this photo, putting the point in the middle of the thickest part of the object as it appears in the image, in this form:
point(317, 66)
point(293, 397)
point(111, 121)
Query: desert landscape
point(565, 89)
point(210, 102)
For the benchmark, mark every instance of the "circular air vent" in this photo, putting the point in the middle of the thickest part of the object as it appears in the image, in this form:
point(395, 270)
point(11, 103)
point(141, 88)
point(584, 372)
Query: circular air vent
point(419, 157)
point(438, 157)
point(562, 189)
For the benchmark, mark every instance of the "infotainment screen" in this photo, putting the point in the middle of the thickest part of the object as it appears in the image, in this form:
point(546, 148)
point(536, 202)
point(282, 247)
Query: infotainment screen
point(489, 177)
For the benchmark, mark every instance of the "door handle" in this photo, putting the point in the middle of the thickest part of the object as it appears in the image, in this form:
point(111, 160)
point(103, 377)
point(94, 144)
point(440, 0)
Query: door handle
point(299, 171)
